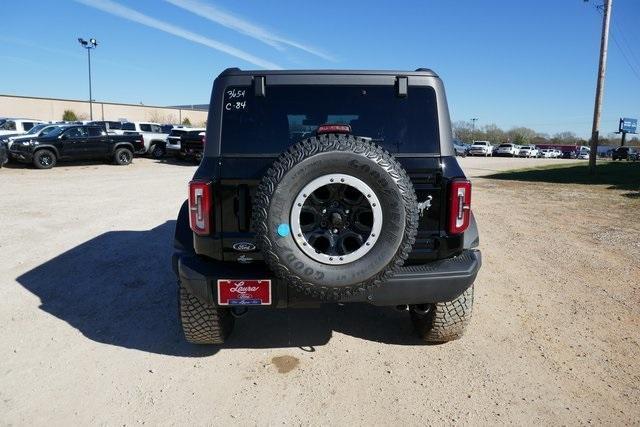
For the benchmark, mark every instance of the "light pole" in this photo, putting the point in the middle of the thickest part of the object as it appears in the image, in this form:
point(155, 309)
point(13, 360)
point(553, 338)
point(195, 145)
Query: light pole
point(91, 44)
point(473, 128)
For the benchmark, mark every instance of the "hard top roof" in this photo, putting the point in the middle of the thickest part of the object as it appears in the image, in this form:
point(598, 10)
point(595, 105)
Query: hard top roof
point(418, 72)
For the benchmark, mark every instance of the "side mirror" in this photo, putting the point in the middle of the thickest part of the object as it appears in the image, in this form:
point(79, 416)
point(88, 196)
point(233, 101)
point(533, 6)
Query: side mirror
point(63, 136)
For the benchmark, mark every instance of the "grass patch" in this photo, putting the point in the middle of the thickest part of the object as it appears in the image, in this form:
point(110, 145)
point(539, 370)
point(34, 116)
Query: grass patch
point(617, 175)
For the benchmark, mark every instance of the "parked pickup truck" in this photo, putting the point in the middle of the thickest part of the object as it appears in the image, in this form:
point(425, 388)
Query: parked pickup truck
point(173, 140)
point(481, 148)
point(76, 142)
point(192, 145)
point(12, 127)
point(155, 139)
point(110, 126)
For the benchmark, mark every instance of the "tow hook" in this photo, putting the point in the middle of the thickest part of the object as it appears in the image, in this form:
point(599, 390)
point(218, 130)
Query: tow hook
point(239, 311)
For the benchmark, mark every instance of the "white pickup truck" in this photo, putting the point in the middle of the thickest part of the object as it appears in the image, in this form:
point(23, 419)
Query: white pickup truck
point(155, 139)
point(481, 148)
point(13, 127)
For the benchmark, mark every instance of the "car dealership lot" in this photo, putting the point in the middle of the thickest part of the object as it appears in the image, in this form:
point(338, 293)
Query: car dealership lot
point(89, 335)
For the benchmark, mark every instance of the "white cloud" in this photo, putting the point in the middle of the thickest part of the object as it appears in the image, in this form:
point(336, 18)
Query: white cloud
point(132, 15)
point(240, 25)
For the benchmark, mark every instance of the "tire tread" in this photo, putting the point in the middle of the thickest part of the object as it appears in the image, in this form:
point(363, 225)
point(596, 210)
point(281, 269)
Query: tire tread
point(203, 323)
point(445, 321)
point(322, 144)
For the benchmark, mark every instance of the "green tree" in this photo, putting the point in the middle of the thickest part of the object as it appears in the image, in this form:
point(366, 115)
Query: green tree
point(521, 135)
point(186, 121)
point(69, 116)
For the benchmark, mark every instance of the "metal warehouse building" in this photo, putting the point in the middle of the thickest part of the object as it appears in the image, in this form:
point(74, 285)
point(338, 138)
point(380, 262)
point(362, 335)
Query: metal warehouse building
point(51, 109)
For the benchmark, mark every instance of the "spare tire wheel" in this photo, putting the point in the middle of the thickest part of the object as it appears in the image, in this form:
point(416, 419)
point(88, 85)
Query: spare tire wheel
point(335, 215)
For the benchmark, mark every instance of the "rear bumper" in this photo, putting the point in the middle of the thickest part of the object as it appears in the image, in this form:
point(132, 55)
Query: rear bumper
point(437, 281)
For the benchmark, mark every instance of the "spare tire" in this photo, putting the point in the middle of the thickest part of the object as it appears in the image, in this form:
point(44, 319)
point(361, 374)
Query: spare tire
point(335, 215)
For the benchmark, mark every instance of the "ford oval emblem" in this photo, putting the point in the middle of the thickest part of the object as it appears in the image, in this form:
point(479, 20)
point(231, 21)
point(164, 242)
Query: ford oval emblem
point(244, 247)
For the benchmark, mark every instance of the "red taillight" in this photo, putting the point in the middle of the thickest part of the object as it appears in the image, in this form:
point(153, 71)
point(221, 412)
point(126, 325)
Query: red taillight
point(459, 206)
point(200, 207)
point(333, 129)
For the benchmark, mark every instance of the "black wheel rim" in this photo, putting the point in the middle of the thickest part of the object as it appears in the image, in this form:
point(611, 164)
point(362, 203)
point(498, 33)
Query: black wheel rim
point(338, 220)
point(45, 159)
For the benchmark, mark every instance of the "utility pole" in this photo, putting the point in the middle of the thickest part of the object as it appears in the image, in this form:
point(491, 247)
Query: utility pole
point(602, 66)
point(473, 129)
point(91, 44)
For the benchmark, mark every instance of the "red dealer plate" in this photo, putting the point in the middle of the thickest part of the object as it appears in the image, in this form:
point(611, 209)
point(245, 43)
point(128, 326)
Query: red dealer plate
point(244, 292)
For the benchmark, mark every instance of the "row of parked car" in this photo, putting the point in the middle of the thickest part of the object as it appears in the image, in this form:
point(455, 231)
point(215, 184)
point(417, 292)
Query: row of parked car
point(25, 140)
point(507, 149)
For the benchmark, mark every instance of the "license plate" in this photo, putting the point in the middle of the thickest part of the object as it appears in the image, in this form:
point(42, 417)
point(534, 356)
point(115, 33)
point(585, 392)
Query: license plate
point(244, 292)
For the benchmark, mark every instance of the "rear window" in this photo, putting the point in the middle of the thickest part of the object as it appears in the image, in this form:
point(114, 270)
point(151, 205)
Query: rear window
point(150, 127)
point(505, 146)
point(8, 125)
point(177, 132)
point(288, 113)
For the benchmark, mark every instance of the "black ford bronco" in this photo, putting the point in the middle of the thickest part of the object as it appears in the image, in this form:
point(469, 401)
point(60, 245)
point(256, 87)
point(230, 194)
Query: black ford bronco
point(327, 186)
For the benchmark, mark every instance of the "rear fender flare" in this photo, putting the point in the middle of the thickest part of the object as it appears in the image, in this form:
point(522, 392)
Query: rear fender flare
point(123, 145)
point(471, 236)
point(183, 236)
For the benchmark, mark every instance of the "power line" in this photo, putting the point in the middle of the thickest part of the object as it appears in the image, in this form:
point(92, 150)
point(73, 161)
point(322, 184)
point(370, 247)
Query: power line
point(624, 40)
point(622, 52)
point(625, 57)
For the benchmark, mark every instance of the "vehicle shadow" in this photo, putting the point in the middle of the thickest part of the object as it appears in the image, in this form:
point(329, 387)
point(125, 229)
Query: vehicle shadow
point(617, 175)
point(176, 161)
point(118, 288)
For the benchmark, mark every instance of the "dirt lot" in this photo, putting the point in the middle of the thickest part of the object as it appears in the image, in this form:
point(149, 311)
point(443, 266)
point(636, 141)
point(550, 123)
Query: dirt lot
point(88, 325)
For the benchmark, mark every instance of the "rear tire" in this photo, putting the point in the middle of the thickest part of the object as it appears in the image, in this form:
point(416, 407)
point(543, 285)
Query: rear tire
point(44, 159)
point(123, 156)
point(444, 321)
point(157, 151)
point(203, 323)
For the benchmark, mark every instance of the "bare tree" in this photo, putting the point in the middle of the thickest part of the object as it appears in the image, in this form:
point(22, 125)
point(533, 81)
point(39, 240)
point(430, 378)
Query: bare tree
point(463, 131)
point(492, 133)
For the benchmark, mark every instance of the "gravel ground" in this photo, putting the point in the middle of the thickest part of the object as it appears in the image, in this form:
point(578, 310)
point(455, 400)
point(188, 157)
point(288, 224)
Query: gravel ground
point(89, 334)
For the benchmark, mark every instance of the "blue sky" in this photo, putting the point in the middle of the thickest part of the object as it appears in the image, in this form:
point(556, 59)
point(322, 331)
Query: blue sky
point(508, 62)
